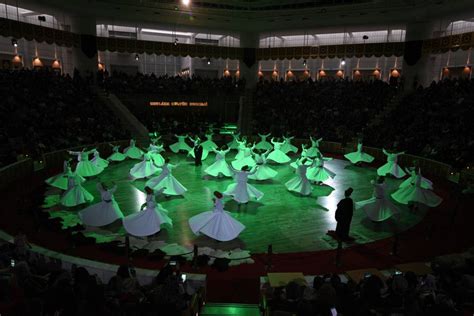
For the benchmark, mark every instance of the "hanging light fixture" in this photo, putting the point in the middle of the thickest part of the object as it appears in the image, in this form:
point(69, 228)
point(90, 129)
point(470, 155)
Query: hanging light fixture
point(137, 57)
point(56, 64)
point(14, 43)
point(343, 61)
point(208, 61)
point(37, 63)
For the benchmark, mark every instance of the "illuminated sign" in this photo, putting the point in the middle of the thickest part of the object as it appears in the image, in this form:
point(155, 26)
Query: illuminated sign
point(177, 103)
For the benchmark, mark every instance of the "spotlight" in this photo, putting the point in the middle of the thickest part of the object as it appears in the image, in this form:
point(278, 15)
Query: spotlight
point(208, 61)
point(137, 57)
point(343, 62)
point(14, 43)
point(304, 62)
point(186, 2)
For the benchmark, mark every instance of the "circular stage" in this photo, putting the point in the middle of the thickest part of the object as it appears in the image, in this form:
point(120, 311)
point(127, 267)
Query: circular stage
point(290, 222)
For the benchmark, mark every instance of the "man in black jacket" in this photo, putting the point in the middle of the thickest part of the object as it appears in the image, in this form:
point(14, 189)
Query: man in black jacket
point(344, 212)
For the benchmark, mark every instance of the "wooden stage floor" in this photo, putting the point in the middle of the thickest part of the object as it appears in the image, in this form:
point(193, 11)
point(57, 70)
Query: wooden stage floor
point(289, 222)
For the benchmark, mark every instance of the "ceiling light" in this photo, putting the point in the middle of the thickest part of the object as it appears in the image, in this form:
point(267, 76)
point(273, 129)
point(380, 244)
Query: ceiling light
point(186, 2)
point(166, 32)
point(208, 61)
point(14, 43)
point(343, 62)
point(137, 57)
point(304, 62)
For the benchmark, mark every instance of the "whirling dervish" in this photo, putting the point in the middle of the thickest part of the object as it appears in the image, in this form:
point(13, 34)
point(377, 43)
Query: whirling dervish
point(218, 224)
point(116, 155)
point(414, 193)
point(241, 145)
point(105, 212)
point(359, 156)
point(414, 172)
point(263, 144)
point(155, 151)
point(317, 172)
point(241, 191)
point(314, 149)
point(304, 154)
point(180, 145)
point(60, 180)
point(195, 142)
point(209, 144)
point(277, 155)
point(84, 167)
point(150, 219)
point(220, 167)
point(133, 151)
point(98, 161)
point(234, 144)
point(75, 193)
point(391, 167)
point(300, 183)
point(245, 159)
point(379, 207)
point(166, 180)
point(288, 146)
point(144, 168)
point(264, 172)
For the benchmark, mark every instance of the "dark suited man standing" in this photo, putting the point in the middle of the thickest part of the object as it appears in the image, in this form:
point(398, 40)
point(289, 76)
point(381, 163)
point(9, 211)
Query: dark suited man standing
point(344, 213)
point(197, 153)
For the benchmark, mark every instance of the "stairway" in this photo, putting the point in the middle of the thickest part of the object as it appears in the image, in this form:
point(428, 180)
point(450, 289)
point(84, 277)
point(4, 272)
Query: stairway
point(128, 120)
point(223, 309)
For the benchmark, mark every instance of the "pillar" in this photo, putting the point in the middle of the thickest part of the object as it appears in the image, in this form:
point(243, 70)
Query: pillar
point(85, 56)
point(417, 73)
point(248, 68)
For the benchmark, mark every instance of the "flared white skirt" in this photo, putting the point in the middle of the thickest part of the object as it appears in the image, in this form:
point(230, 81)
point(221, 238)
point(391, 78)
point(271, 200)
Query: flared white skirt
point(75, 196)
point(219, 167)
point(171, 185)
point(176, 147)
point(243, 192)
point(356, 157)
point(299, 185)
point(117, 157)
point(147, 222)
point(133, 152)
point(413, 193)
point(144, 169)
point(101, 214)
point(378, 210)
point(264, 172)
point(391, 168)
point(217, 225)
point(278, 156)
point(85, 168)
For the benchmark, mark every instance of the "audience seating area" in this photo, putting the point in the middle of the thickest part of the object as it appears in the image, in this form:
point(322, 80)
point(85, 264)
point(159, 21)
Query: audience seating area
point(379, 112)
point(45, 111)
point(33, 284)
point(443, 287)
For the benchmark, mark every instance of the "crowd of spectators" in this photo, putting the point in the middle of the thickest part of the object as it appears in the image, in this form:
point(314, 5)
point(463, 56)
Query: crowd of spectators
point(43, 111)
point(136, 91)
point(120, 82)
point(443, 293)
point(30, 284)
point(434, 122)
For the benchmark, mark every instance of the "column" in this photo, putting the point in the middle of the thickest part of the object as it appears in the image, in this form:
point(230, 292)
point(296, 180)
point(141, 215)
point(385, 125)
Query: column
point(417, 73)
point(248, 68)
point(85, 56)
